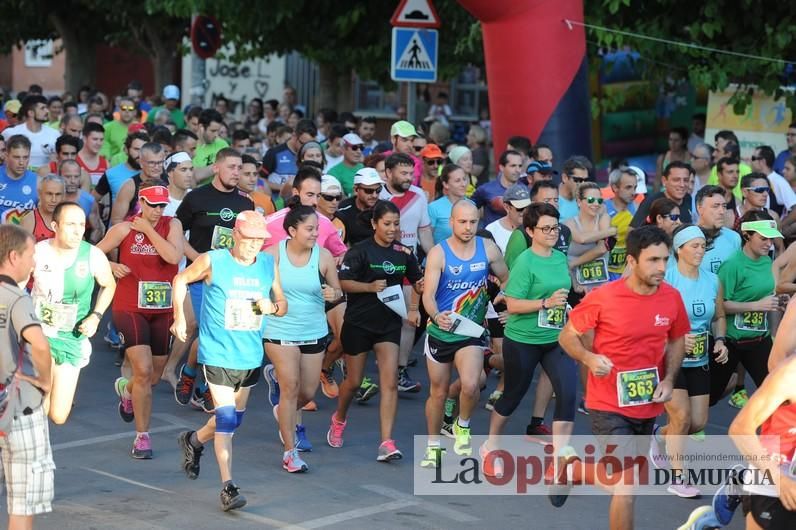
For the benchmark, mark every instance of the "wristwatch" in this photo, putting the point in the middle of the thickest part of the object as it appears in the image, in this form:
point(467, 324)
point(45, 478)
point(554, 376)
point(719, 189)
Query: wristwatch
point(97, 313)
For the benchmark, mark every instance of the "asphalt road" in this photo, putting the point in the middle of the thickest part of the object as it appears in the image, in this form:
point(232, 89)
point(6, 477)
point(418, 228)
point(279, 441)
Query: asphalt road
point(98, 484)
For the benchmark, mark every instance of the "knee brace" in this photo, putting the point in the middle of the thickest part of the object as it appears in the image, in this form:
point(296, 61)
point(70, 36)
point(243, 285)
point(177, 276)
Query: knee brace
point(239, 417)
point(226, 420)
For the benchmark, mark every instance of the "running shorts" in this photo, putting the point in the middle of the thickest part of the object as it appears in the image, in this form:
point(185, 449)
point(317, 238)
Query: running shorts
point(308, 346)
point(232, 378)
point(356, 340)
point(768, 512)
point(444, 352)
point(695, 379)
point(145, 329)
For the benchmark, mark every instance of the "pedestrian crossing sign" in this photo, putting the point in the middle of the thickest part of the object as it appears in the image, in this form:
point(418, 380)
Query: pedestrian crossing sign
point(414, 54)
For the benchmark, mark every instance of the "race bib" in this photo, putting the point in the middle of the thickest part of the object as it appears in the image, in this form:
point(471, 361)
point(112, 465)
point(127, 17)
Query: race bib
point(242, 315)
point(62, 317)
point(618, 256)
point(700, 347)
point(592, 272)
point(154, 295)
point(751, 321)
point(635, 387)
point(553, 317)
point(222, 238)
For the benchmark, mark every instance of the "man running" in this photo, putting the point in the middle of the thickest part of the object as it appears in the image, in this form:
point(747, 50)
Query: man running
point(66, 271)
point(455, 291)
point(239, 283)
point(38, 221)
point(639, 326)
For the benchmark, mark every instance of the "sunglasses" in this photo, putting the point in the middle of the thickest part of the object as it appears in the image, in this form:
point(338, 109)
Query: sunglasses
point(759, 189)
point(418, 148)
point(433, 161)
point(549, 229)
point(355, 147)
point(592, 200)
point(579, 180)
point(331, 198)
point(672, 216)
point(371, 191)
point(127, 107)
point(159, 205)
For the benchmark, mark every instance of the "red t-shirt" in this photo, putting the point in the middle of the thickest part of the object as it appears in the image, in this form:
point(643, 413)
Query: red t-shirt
point(632, 330)
point(781, 424)
point(137, 252)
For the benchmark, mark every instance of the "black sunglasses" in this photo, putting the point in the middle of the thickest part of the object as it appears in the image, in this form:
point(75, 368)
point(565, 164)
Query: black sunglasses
point(433, 161)
point(673, 216)
point(579, 180)
point(418, 148)
point(759, 189)
point(331, 198)
point(355, 147)
point(371, 191)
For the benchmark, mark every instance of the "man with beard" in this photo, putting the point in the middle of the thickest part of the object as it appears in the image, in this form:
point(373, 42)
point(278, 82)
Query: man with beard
point(367, 185)
point(152, 156)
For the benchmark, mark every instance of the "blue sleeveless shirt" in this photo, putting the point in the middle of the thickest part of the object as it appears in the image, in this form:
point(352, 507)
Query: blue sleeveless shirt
point(699, 297)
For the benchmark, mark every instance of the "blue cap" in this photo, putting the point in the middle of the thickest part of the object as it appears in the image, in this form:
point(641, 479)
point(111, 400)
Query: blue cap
point(541, 167)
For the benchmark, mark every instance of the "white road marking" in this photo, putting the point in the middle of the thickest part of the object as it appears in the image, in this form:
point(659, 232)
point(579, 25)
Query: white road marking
point(127, 480)
point(110, 437)
point(448, 513)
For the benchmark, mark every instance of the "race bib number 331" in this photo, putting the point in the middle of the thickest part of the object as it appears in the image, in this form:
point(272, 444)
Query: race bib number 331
point(635, 387)
point(154, 295)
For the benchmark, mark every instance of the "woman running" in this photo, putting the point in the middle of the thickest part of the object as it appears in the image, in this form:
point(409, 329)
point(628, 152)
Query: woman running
point(536, 297)
point(370, 268)
point(590, 228)
point(749, 295)
point(702, 295)
point(451, 185)
point(150, 249)
point(665, 214)
point(295, 342)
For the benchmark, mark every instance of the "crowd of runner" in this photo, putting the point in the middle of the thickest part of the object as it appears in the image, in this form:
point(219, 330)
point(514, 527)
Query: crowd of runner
point(291, 248)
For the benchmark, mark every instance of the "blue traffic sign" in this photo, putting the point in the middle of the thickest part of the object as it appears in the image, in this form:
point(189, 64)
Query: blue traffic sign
point(414, 54)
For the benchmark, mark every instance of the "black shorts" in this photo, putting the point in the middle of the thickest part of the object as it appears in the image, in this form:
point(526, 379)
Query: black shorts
point(495, 328)
point(312, 346)
point(230, 377)
point(768, 512)
point(328, 306)
point(356, 340)
point(695, 379)
point(145, 329)
point(444, 352)
point(630, 435)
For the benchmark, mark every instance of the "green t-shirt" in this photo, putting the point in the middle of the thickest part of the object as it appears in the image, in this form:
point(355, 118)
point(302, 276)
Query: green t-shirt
point(177, 116)
point(115, 135)
point(743, 170)
point(534, 277)
point(516, 245)
point(206, 153)
point(345, 175)
point(746, 280)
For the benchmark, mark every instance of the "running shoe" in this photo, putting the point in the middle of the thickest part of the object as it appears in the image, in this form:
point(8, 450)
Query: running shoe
point(366, 390)
point(540, 434)
point(657, 451)
point(684, 491)
point(142, 447)
point(231, 498)
point(558, 492)
point(311, 406)
point(125, 404)
point(728, 497)
point(112, 337)
point(190, 455)
point(292, 462)
point(461, 446)
point(698, 436)
point(738, 399)
point(182, 392)
point(202, 400)
point(432, 457)
point(273, 386)
point(493, 397)
point(701, 518)
point(328, 384)
point(406, 383)
point(447, 430)
point(388, 452)
point(491, 466)
point(302, 442)
point(582, 408)
point(335, 435)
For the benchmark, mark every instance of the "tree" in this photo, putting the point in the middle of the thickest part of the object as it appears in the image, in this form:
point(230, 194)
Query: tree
point(743, 26)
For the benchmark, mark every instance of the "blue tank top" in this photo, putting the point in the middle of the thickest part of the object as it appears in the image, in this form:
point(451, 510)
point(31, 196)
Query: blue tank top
point(462, 288)
point(305, 319)
point(117, 176)
point(723, 246)
point(86, 201)
point(230, 331)
point(699, 297)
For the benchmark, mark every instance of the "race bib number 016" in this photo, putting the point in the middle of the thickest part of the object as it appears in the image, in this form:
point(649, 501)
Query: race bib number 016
point(700, 347)
point(222, 238)
point(62, 317)
point(553, 317)
point(751, 321)
point(592, 272)
point(154, 295)
point(635, 387)
point(242, 315)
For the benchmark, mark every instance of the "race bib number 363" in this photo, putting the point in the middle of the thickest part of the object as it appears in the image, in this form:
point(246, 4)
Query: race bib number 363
point(222, 238)
point(635, 387)
point(592, 272)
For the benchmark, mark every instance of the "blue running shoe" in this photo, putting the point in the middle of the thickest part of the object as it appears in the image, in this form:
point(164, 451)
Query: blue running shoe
point(701, 518)
point(273, 385)
point(728, 497)
point(302, 442)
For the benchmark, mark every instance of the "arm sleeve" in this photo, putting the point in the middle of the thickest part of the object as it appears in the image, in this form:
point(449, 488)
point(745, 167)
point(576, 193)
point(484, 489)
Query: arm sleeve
point(587, 313)
point(728, 277)
point(413, 271)
point(333, 243)
point(785, 194)
point(269, 163)
point(353, 263)
point(520, 280)
point(514, 247)
point(23, 316)
point(184, 213)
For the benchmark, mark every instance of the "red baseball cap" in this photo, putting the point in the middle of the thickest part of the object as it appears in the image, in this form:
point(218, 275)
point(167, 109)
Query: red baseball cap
point(432, 151)
point(135, 127)
point(251, 224)
point(154, 195)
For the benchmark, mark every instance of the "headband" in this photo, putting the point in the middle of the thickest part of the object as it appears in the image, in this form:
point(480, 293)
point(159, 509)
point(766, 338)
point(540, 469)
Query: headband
point(176, 158)
point(687, 234)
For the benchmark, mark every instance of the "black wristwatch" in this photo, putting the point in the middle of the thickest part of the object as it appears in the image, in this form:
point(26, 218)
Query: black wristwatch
point(99, 315)
point(722, 339)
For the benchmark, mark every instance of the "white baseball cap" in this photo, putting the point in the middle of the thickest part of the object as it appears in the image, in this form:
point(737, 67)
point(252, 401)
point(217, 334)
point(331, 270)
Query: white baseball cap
point(330, 183)
point(353, 139)
point(367, 176)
